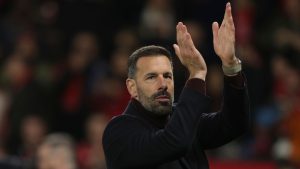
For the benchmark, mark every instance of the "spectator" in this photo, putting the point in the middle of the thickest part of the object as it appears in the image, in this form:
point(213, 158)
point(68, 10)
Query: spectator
point(89, 152)
point(33, 132)
point(83, 69)
point(56, 152)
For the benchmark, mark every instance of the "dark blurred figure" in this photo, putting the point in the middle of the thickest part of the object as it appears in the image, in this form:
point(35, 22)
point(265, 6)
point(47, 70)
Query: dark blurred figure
point(84, 67)
point(90, 153)
point(109, 94)
point(281, 32)
point(7, 161)
point(18, 19)
point(33, 132)
point(4, 105)
point(26, 96)
point(118, 63)
point(255, 69)
point(277, 122)
point(50, 36)
point(11, 163)
point(287, 31)
point(126, 39)
point(157, 22)
point(276, 126)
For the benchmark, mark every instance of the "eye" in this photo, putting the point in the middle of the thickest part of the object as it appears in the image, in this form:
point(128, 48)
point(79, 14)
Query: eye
point(168, 76)
point(150, 77)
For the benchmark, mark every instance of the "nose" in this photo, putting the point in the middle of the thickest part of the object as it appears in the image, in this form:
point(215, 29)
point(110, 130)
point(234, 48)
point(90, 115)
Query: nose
point(162, 83)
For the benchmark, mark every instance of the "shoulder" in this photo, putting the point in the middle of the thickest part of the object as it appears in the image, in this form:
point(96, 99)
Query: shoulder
point(121, 121)
point(120, 127)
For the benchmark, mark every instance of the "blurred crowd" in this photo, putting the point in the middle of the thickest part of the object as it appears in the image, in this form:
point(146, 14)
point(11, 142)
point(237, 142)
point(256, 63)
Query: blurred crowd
point(63, 65)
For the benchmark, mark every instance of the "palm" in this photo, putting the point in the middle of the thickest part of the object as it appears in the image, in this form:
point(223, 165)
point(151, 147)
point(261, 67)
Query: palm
point(189, 56)
point(224, 37)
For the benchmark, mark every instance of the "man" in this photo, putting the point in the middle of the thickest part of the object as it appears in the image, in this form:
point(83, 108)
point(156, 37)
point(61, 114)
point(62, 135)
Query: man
point(154, 134)
point(56, 152)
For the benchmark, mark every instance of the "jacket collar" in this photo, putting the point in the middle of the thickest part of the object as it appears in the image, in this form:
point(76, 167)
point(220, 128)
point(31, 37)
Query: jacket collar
point(135, 108)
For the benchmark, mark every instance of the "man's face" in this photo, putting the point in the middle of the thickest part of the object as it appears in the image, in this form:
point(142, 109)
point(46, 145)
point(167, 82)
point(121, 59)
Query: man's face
point(53, 158)
point(154, 84)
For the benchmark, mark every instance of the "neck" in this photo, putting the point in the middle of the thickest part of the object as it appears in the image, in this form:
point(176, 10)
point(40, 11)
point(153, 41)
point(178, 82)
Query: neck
point(158, 120)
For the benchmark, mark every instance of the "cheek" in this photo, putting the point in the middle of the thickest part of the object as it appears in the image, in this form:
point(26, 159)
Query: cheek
point(171, 88)
point(147, 90)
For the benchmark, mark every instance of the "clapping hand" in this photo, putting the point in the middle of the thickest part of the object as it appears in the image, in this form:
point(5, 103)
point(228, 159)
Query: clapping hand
point(224, 38)
point(189, 56)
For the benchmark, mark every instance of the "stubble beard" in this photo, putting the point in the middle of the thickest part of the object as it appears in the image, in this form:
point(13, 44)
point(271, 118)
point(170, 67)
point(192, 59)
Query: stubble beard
point(154, 106)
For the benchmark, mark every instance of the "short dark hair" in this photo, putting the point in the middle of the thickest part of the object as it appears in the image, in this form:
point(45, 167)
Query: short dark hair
point(146, 51)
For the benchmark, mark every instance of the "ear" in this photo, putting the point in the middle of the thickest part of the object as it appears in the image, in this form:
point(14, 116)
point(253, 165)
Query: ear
point(131, 87)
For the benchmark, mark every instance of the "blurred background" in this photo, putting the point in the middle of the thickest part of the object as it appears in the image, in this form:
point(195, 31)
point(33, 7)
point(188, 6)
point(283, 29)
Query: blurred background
point(63, 65)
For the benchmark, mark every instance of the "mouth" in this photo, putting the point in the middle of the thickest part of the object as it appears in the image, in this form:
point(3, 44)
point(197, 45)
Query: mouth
point(163, 98)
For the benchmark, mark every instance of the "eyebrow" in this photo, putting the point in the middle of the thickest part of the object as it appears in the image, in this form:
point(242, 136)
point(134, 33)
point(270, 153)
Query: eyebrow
point(168, 73)
point(150, 74)
point(155, 74)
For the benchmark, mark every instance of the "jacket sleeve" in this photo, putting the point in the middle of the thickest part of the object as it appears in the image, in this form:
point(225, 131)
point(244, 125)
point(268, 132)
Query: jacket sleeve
point(127, 145)
point(218, 128)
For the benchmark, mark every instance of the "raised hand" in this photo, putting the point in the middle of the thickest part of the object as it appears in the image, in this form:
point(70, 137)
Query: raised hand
point(224, 38)
point(189, 56)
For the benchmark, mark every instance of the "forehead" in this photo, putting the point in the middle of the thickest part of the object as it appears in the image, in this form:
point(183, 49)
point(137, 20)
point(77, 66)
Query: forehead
point(157, 64)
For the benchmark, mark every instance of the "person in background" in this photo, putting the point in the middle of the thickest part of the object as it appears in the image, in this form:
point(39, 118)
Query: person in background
point(33, 131)
point(89, 152)
point(56, 152)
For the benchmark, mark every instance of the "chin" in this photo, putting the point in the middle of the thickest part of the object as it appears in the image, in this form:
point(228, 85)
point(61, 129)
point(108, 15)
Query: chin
point(163, 110)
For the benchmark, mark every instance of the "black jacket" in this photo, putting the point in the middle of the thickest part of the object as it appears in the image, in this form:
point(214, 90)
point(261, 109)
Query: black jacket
point(139, 140)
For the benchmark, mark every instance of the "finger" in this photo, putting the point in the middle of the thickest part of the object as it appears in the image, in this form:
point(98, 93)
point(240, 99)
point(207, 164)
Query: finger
point(227, 10)
point(180, 34)
point(184, 37)
point(189, 41)
point(229, 24)
point(183, 31)
point(177, 51)
point(226, 13)
point(215, 30)
point(180, 27)
point(230, 17)
point(177, 32)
